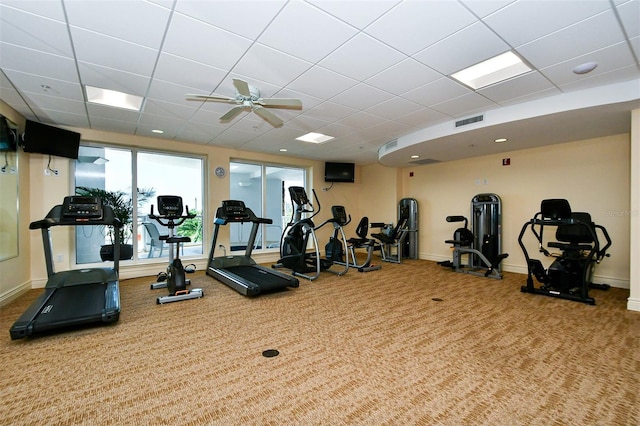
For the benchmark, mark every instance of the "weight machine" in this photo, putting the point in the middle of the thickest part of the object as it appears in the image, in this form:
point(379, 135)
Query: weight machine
point(482, 243)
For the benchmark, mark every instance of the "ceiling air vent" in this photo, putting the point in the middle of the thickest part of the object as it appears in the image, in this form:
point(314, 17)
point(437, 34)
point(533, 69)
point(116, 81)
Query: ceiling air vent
point(387, 146)
point(425, 161)
point(469, 120)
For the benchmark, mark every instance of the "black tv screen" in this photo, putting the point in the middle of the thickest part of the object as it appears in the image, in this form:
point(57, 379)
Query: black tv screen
point(8, 136)
point(339, 172)
point(45, 139)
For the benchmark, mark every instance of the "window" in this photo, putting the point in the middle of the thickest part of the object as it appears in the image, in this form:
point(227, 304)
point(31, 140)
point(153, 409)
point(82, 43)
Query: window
point(265, 190)
point(113, 172)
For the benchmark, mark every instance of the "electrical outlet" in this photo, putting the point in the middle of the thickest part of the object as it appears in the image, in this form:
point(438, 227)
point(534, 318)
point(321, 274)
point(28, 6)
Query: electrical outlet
point(60, 258)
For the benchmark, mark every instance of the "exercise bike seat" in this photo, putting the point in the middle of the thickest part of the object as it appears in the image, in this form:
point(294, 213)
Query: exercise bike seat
point(177, 239)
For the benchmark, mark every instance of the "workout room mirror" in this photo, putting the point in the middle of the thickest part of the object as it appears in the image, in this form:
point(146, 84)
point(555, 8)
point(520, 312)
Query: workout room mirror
point(8, 189)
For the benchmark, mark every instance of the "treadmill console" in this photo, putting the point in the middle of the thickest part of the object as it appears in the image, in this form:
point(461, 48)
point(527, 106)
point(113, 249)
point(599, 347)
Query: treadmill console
point(169, 206)
point(234, 210)
point(80, 208)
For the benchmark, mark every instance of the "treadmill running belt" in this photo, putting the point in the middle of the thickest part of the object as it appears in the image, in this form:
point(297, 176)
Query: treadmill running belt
point(261, 277)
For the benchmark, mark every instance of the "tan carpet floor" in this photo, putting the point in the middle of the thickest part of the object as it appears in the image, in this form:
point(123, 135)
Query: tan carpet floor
point(410, 344)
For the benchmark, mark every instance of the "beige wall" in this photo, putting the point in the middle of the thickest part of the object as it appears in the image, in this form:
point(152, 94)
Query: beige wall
point(592, 174)
point(15, 274)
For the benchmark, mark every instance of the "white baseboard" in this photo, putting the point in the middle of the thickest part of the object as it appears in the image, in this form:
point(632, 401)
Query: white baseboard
point(520, 269)
point(633, 304)
point(14, 293)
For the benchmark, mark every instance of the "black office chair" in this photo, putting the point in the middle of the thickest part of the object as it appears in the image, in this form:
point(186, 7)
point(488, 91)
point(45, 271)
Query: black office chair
point(155, 240)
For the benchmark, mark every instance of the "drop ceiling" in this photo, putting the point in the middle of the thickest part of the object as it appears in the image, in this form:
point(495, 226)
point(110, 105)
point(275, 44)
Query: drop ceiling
point(373, 74)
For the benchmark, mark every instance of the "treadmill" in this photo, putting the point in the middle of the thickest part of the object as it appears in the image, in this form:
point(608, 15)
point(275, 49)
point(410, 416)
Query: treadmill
point(74, 297)
point(241, 272)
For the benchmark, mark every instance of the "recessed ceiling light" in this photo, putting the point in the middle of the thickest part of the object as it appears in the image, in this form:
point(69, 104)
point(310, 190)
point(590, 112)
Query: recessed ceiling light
point(500, 140)
point(315, 138)
point(491, 71)
point(585, 68)
point(157, 131)
point(283, 149)
point(113, 98)
point(415, 156)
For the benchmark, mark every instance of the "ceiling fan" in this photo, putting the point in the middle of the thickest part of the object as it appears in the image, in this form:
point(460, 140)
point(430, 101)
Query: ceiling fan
point(248, 99)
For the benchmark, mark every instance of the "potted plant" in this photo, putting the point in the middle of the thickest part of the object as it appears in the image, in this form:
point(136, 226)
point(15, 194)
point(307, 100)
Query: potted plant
point(122, 206)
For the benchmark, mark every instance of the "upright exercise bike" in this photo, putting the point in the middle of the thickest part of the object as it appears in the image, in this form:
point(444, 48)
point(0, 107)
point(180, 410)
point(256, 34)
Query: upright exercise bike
point(170, 214)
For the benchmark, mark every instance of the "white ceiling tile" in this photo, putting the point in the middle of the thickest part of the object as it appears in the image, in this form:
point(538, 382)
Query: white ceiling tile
point(361, 96)
point(46, 8)
point(329, 111)
point(621, 74)
point(574, 40)
point(436, 92)
point(199, 132)
point(306, 32)
point(161, 108)
point(188, 73)
point(393, 108)
point(466, 47)
point(38, 84)
point(361, 58)
point(524, 21)
point(172, 93)
point(609, 59)
point(358, 13)
point(630, 16)
point(464, 105)
point(30, 61)
point(192, 39)
point(321, 83)
point(34, 32)
point(90, 47)
point(403, 77)
point(111, 113)
point(113, 79)
point(413, 25)
point(107, 124)
point(247, 18)
point(360, 120)
point(485, 7)
point(56, 116)
point(45, 101)
point(423, 117)
point(274, 67)
point(140, 22)
point(516, 87)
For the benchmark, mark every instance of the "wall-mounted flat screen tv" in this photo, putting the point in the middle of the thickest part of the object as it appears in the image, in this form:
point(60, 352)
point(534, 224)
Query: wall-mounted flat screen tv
point(8, 136)
point(339, 172)
point(45, 139)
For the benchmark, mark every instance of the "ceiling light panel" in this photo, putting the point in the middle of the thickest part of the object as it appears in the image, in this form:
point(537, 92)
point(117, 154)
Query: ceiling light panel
point(491, 71)
point(113, 98)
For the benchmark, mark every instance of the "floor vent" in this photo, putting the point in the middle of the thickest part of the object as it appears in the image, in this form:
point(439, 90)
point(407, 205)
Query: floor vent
point(425, 161)
point(469, 120)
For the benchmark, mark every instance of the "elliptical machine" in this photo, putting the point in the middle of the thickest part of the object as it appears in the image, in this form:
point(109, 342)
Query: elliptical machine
point(299, 231)
point(170, 215)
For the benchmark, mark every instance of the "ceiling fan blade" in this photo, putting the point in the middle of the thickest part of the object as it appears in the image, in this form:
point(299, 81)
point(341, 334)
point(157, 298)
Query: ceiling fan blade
point(268, 116)
point(289, 103)
point(242, 87)
point(206, 98)
point(231, 114)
